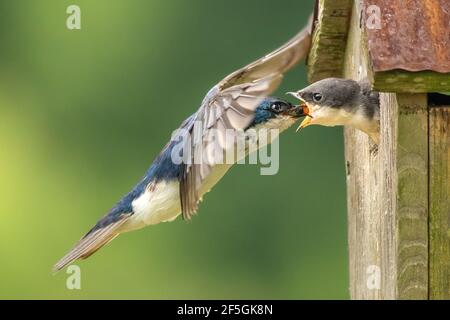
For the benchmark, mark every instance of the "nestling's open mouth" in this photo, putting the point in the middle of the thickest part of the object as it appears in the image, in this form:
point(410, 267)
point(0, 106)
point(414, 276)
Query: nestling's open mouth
point(305, 109)
point(297, 111)
point(308, 117)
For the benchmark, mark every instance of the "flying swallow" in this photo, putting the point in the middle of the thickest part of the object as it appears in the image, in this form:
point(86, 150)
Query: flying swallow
point(239, 102)
point(334, 101)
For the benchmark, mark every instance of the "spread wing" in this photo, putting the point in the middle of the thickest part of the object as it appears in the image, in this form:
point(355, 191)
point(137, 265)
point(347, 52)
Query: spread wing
point(231, 105)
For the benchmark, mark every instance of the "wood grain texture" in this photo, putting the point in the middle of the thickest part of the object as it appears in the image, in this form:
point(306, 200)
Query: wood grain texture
point(440, 203)
point(412, 197)
point(387, 190)
point(364, 233)
point(396, 249)
point(326, 56)
point(416, 82)
point(388, 203)
point(388, 195)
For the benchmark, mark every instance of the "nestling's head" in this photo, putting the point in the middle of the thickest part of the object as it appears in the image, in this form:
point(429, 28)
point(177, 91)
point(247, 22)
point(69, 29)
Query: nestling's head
point(334, 101)
point(276, 113)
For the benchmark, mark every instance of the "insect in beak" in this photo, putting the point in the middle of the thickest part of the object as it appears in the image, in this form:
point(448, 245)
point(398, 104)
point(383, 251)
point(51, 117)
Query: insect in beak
point(308, 118)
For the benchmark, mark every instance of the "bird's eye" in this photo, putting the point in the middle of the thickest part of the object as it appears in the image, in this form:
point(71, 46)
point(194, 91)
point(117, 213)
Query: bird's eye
point(317, 97)
point(276, 107)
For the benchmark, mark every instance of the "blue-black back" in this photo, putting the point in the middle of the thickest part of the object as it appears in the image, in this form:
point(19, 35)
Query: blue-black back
point(162, 168)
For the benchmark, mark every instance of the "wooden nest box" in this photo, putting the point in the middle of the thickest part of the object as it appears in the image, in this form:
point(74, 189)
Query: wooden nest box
point(399, 193)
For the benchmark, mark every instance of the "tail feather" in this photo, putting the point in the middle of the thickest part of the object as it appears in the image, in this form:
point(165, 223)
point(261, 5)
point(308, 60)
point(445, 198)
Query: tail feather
point(90, 243)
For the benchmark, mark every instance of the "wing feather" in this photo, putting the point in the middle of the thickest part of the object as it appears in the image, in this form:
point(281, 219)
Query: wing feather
point(90, 243)
point(231, 105)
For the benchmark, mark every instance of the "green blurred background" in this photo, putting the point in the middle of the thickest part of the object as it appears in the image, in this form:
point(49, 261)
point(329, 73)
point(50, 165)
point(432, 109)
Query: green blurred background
point(84, 112)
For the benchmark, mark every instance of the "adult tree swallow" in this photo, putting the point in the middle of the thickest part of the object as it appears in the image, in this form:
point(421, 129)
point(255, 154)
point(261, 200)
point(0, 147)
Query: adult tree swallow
point(239, 102)
point(334, 101)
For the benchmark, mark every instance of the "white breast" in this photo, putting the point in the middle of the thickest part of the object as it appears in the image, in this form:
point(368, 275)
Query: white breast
point(161, 202)
point(158, 203)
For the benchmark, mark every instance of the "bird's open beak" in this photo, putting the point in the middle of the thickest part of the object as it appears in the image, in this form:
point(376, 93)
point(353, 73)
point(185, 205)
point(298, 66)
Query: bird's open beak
point(308, 117)
point(294, 94)
point(303, 110)
point(298, 111)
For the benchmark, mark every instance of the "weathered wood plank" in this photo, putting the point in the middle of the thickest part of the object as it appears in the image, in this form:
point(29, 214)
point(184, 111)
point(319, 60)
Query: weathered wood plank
point(364, 234)
point(413, 82)
point(387, 191)
point(326, 55)
point(403, 194)
point(388, 188)
point(388, 195)
point(412, 197)
point(388, 204)
point(440, 203)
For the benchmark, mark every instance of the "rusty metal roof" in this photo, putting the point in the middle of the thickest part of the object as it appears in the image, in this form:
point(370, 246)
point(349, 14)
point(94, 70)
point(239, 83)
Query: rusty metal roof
point(414, 35)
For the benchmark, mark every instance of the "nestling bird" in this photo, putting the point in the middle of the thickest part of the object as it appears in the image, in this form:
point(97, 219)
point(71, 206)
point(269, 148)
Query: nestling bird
point(238, 103)
point(334, 101)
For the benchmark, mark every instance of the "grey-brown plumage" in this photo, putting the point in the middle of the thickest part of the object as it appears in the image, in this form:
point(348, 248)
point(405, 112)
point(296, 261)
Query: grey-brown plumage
point(336, 101)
